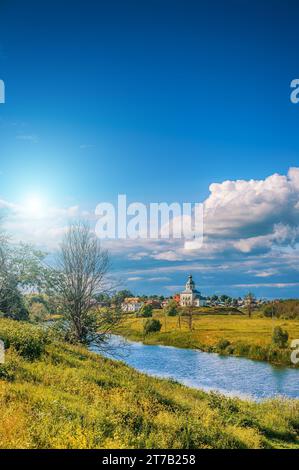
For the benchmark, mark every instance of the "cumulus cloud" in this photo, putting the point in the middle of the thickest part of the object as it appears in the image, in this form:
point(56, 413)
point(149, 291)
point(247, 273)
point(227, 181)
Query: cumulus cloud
point(250, 226)
point(243, 209)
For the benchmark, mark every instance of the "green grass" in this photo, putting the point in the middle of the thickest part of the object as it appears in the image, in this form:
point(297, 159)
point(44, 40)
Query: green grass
point(247, 337)
point(70, 398)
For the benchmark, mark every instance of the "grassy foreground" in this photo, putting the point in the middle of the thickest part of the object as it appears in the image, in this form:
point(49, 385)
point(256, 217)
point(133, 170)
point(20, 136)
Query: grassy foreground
point(53, 395)
point(225, 334)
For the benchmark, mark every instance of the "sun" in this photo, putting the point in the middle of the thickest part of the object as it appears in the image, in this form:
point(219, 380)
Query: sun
point(33, 206)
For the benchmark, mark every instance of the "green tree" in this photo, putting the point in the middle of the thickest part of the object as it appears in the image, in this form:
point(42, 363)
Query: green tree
point(12, 303)
point(171, 309)
point(120, 296)
point(28, 265)
point(21, 268)
point(11, 299)
point(103, 298)
point(280, 337)
point(145, 311)
point(152, 325)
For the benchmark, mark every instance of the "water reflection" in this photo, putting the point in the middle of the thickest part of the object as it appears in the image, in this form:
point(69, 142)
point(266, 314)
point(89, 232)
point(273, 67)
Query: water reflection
point(229, 375)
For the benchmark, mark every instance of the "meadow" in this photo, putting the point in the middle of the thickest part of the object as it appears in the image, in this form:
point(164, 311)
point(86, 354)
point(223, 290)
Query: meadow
point(234, 334)
point(54, 395)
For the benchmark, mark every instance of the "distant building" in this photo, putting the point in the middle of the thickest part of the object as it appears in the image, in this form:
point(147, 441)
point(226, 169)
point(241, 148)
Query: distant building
point(153, 303)
point(190, 296)
point(177, 298)
point(131, 305)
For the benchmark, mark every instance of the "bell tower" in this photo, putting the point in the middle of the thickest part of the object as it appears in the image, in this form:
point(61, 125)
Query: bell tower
point(190, 285)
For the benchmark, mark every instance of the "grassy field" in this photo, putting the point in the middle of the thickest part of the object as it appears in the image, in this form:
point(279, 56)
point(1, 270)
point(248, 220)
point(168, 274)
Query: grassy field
point(248, 337)
point(53, 395)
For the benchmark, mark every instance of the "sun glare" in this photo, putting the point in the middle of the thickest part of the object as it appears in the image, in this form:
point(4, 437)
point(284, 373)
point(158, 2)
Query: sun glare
point(33, 206)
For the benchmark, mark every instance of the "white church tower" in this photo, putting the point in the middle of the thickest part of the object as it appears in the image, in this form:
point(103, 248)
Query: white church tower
point(191, 297)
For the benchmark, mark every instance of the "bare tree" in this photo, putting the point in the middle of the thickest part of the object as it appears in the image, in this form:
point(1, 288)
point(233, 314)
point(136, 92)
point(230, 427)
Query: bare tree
point(250, 303)
point(190, 318)
point(187, 314)
point(81, 274)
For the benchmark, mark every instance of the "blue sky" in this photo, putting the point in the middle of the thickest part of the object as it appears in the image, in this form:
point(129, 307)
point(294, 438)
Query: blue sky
point(157, 100)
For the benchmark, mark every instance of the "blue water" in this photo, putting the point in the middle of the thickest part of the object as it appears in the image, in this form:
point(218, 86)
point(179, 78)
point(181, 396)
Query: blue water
point(232, 376)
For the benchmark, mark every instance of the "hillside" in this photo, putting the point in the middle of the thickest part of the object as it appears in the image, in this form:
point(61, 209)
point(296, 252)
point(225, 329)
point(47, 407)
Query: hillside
point(53, 395)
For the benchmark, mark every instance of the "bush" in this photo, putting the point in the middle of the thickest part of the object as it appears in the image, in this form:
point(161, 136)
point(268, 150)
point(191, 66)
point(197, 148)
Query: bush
point(242, 349)
point(280, 337)
point(171, 309)
point(223, 344)
point(38, 312)
point(28, 340)
point(152, 325)
point(146, 311)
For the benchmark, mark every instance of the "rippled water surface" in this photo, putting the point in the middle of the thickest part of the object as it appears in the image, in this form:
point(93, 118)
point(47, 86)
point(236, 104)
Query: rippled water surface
point(229, 375)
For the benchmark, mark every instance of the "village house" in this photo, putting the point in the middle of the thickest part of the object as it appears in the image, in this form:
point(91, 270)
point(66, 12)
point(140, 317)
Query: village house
point(154, 303)
point(131, 305)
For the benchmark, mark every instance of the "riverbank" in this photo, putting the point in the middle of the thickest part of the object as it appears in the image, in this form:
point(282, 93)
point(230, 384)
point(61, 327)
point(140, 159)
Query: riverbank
point(235, 335)
point(53, 395)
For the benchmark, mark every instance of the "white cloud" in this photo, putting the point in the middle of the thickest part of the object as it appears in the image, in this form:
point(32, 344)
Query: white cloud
point(266, 273)
point(252, 207)
point(167, 256)
point(44, 229)
point(277, 285)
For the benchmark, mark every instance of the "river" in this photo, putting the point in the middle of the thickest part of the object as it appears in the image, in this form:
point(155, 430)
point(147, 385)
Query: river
point(229, 375)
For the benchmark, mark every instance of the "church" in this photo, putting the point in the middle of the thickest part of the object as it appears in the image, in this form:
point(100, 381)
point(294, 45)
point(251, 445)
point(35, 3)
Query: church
point(190, 296)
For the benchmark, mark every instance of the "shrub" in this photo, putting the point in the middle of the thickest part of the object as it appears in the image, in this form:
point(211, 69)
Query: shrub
point(223, 344)
point(152, 325)
point(28, 340)
point(171, 309)
point(280, 337)
point(146, 311)
point(258, 352)
point(37, 312)
point(242, 349)
point(230, 349)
